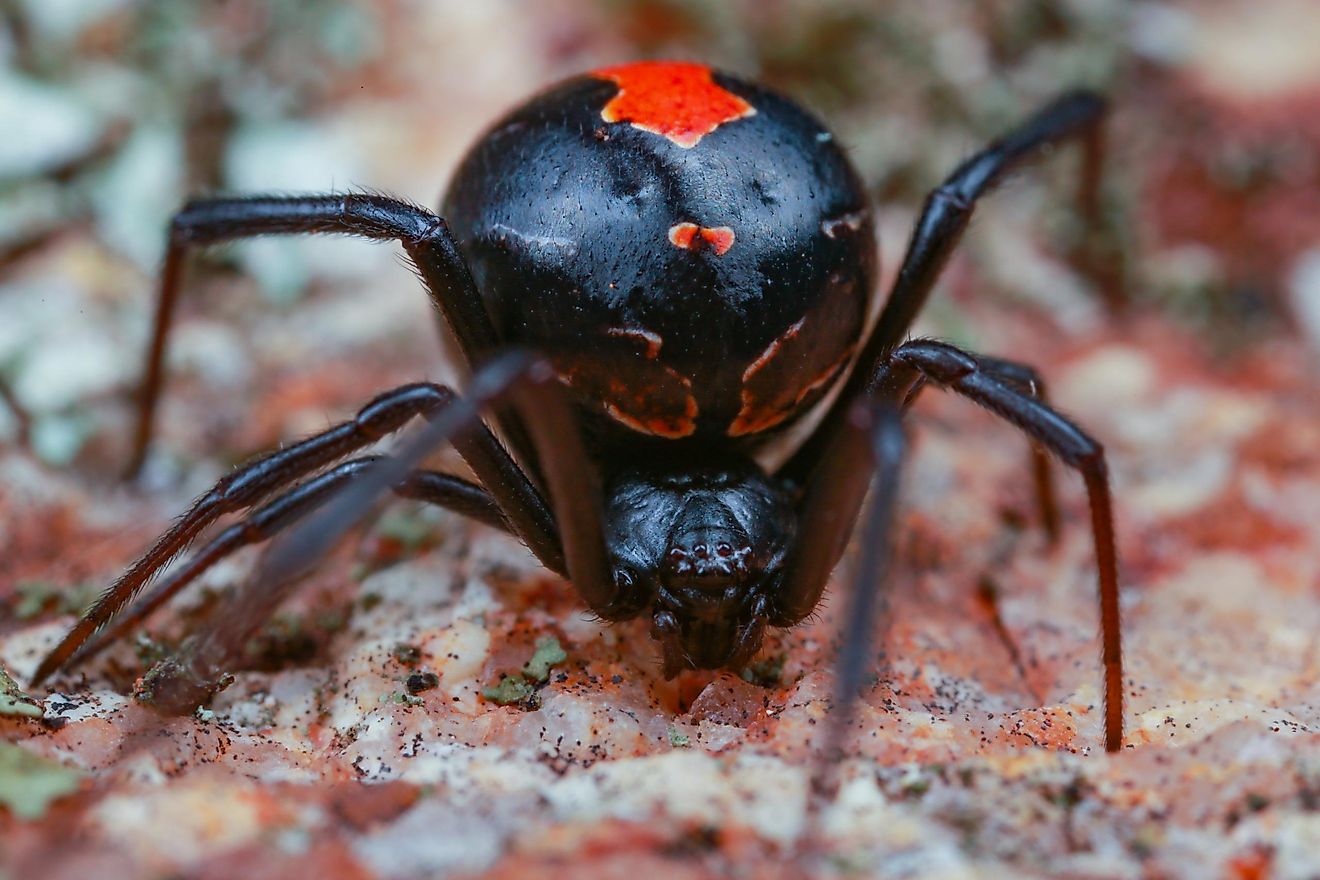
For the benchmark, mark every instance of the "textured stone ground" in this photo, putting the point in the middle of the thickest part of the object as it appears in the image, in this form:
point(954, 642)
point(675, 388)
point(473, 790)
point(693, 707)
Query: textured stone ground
point(974, 754)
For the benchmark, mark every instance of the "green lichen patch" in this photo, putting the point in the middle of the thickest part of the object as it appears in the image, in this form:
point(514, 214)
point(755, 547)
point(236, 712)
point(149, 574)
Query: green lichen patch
point(512, 690)
point(406, 654)
point(29, 783)
point(412, 530)
point(401, 698)
point(549, 653)
point(14, 702)
point(520, 688)
point(34, 598)
point(31, 599)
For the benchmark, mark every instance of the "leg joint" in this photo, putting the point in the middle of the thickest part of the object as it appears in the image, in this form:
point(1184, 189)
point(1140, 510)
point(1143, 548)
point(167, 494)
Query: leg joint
point(1092, 459)
point(378, 216)
point(435, 228)
point(943, 363)
point(953, 196)
point(390, 411)
point(184, 225)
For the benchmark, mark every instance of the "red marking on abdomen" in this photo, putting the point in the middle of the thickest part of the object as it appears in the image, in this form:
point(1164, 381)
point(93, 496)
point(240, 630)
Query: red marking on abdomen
point(769, 393)
point(651, 341)
point(641, 393)
point(671, 426)
point(692, 237)
point(673, 99)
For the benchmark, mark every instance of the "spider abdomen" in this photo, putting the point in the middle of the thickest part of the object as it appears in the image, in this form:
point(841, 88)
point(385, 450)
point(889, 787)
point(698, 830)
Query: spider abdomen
point(693, 251)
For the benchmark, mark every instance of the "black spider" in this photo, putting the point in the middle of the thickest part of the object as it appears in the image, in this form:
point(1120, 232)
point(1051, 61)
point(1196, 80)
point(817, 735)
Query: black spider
point(654, 268)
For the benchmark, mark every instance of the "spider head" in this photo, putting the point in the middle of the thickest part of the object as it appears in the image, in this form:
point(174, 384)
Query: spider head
point(702, 551)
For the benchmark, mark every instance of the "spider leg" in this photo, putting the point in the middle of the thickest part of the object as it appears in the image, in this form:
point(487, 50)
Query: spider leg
point(442, 490)
point(527, 383)
point(1026, 380)
point(834, 493)
point(22, 419)
point(833, 498)
point(868, 598)
point(959, 371)
point(944, 218)
point(948, 209)
point(424, 236)
point(519, 499)
point(529, 386)
point(828, 514)
point(868, 451)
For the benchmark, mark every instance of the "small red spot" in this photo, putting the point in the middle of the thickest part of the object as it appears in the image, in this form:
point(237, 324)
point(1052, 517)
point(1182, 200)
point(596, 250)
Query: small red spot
point(673, 99)
point(692, 237)
point(843, 224)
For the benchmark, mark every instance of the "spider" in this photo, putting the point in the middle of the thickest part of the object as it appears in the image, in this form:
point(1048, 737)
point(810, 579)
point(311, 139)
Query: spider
point(653, 270)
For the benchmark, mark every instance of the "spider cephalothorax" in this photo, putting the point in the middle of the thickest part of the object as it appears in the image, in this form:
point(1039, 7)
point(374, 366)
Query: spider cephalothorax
point(652, 269)
point(701, 550)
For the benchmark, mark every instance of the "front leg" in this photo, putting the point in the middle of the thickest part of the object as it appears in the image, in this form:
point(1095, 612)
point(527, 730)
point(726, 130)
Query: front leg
point(525, 382)
point(963, 373)
point(944, 218)
point(869, 441)
point(424, 235)
point(428, 487)
point(22, 419)
point(948, 210)
point(519, 499)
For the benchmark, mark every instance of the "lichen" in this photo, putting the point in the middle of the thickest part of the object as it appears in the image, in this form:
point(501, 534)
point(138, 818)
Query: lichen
point(13, 701)
point(408, 655)
point(520, 688)
point(512, 690)
point(30, 783)
point(549, 653)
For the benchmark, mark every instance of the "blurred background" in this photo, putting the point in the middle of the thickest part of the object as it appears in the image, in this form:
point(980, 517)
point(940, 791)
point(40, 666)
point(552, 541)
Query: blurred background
point(113, 111)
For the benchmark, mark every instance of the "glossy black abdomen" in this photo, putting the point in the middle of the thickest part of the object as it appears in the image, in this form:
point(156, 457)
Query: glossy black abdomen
point(694, 252)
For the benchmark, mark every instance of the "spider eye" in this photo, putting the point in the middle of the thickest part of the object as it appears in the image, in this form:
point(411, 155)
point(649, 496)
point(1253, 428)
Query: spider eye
point(724, 549)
